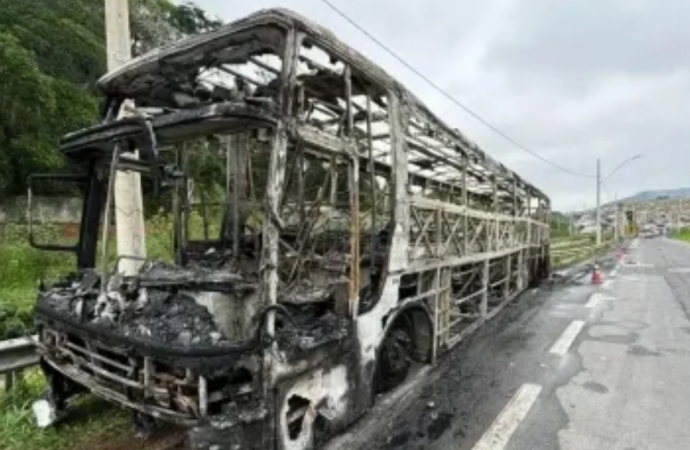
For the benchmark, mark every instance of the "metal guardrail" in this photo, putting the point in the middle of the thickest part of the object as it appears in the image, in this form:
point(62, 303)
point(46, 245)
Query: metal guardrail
point(17, 355)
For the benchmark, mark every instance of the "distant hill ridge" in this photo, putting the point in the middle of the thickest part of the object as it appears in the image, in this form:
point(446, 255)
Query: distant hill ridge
point(646, 196)
point(655, 194)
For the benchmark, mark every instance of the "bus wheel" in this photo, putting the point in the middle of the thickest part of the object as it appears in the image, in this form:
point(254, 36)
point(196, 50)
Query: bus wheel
point(395, 358)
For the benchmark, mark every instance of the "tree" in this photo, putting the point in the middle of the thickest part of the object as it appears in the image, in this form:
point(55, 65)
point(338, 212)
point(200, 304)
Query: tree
point(26, 100)
point(158, 22)
point(52, 52)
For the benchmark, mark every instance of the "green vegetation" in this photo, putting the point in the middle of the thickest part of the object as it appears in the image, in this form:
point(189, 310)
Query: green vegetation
point(93, 420)
point(569, 250)
point(561, 225)
point(51, 54)
point(682, 235)
point(21, 269)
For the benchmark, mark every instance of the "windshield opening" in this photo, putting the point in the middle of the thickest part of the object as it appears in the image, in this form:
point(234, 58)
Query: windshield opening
point(203, 203)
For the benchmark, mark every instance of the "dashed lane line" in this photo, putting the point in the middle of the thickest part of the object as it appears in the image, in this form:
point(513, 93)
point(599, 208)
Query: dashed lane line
point(562, 345)
point(629, 278)
point(593, 301)
point(596, 298)
point(501, 430)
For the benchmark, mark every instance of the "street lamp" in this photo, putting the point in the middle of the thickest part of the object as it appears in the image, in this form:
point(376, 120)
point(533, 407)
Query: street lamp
point(599, 180)
point(632, 158)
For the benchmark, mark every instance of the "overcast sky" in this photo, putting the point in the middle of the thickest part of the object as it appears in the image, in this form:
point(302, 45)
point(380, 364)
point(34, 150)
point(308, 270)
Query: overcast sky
point(570, 79)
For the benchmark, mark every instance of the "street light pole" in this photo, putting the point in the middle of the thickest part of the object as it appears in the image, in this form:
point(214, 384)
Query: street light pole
point(598, 201)
point(615, 216)
point(599, 181)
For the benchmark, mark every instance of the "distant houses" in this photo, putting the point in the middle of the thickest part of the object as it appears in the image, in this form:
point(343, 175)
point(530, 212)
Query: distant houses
point(587, 222)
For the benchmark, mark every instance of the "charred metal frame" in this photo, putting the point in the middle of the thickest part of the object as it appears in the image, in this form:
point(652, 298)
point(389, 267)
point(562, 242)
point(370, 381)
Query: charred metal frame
point(374, 211)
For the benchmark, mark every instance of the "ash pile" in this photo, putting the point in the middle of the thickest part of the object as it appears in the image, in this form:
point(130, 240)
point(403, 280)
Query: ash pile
point(146, 313)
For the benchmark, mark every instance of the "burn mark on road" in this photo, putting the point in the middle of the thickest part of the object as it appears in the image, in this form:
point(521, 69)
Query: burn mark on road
point(625, 339)
point(438, 425)
point(639, 350)
point(595, 387)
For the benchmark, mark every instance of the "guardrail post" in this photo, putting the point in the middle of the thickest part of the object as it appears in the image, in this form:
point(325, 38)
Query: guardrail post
point(12, 379)
point(9, 381)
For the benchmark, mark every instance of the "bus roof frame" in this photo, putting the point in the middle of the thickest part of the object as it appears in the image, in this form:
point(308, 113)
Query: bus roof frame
point(115, 82)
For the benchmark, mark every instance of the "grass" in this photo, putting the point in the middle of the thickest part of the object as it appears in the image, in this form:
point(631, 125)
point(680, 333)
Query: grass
point(21, 269)
point(90, 420)
point(682, 235)
point(569, 250)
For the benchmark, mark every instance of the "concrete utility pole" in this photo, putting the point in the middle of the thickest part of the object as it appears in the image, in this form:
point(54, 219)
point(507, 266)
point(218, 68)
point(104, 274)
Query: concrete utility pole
point(615, 216)
point(598, 201)
point(129, 210)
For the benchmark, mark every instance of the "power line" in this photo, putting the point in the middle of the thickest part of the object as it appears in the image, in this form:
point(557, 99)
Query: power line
point(450, 97)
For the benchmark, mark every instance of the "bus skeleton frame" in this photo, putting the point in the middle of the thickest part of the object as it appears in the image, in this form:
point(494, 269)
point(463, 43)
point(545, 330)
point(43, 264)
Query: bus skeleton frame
point(380, 236)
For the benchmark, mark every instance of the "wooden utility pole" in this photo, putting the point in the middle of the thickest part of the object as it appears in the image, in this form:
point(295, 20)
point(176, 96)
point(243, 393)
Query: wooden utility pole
point(129, 211)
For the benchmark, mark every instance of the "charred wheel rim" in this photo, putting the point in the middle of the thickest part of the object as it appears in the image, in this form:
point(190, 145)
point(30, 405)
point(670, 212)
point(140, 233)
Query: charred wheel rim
point(394, 359)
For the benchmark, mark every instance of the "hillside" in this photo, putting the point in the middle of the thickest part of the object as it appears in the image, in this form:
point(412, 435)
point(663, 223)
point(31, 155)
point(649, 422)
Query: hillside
point(660, 193)
point(646, 196)
point(51, 54)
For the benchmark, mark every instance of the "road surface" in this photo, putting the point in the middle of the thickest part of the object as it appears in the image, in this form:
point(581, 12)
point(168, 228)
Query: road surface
point(574, 367)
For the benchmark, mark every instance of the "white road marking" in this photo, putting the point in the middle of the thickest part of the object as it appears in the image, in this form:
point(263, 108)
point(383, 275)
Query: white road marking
point(613, 272)
point(629, 278)
point(593, 302)
point(595, 299)
point(637, 264)
point(680, 270)
point(500, 432)
point(606, 284)
point(567, 338)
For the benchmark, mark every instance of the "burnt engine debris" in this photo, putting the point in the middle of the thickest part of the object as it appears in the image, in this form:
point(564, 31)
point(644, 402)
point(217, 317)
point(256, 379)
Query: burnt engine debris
point(167, 306)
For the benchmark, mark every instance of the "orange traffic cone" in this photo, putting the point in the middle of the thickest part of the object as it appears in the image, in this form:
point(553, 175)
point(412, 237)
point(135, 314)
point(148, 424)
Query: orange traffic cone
point(596, 275)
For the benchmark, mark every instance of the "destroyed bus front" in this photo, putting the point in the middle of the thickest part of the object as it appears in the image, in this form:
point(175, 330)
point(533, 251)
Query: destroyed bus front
point(198, 336)
point(327, 233)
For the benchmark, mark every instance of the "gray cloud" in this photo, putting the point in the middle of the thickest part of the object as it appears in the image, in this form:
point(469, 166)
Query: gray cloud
point(581, 40)
point(573, 80)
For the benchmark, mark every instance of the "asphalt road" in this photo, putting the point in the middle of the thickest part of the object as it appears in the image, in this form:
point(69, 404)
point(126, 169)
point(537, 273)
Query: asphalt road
point(573, 367)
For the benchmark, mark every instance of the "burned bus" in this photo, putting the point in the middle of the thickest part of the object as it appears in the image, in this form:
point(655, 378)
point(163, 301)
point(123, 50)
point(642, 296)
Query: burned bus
point(351, 236)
